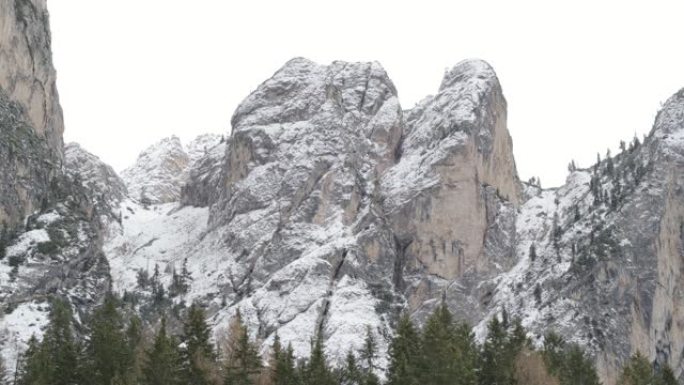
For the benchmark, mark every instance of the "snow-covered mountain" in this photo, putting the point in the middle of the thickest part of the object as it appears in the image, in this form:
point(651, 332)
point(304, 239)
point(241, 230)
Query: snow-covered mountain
point(163, 168)
point(330, 209)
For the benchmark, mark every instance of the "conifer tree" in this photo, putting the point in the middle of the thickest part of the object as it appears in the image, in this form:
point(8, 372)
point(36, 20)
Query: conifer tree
point(494, 368)
point(316, 370)
point(135, 349)
point(404, 354)
point(351, 374)
point(242, 359)
point(108, 355)
point(58, 349)
point(449, 354)
point(180, 281)
point(32, 369)
point(162, 364)
point(143, 278)
point(577, 368)
point(638, 371)
point(666, 376)
point(369, 351)
point(553, 352)
point(284, 372)
point(533, 252)
point(197, 352)
point(466, 355)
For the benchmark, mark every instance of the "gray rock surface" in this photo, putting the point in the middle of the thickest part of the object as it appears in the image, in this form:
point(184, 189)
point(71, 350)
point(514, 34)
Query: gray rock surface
point(330, 209)
point(31, 149)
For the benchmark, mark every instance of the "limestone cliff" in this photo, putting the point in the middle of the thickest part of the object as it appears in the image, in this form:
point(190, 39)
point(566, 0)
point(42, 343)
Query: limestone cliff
point(31, 133)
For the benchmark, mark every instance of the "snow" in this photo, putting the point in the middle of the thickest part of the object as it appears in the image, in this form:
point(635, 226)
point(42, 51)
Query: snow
point(159, 234)
point(48, 218)
point(26, 241)
point(17, 328)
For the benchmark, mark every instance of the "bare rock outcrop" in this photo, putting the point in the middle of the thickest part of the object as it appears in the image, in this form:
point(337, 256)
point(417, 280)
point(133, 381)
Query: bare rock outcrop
point(31, 144)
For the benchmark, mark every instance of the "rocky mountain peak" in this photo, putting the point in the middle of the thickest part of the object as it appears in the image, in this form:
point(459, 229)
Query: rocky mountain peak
point(669, 122)
point(98, 177)
point(470, 70)
point(162, 169)
point(301, 88)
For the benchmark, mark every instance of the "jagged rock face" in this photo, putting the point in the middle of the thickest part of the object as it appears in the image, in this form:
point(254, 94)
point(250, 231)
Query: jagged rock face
point(162, 169)
point(58, 253)
point(608, 269)
point(101, 181)
point(157, 175)
point(299, 199)
point(31, 149)
point(50, 230)
point(451, 198)
point(205, 175)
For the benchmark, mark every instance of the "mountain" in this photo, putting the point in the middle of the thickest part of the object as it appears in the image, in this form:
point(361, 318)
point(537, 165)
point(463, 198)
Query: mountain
point(31, 151)
point(162, 169)
point(330, 209)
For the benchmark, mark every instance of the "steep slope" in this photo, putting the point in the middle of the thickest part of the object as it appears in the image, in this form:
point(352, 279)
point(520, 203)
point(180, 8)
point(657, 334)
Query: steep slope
point(50, 225)
point(30, 115)
point(58, 252)
point(203, 185)
point(608, 247)
point(309, 229)
point(451, 199)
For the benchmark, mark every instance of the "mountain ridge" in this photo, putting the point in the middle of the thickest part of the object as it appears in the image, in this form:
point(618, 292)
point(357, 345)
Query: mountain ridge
point(330, 209)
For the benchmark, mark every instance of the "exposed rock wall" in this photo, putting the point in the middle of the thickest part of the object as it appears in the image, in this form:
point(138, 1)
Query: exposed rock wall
point(31, 150)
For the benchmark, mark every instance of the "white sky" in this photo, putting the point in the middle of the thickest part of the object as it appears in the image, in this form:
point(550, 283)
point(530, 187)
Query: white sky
point(578, 78)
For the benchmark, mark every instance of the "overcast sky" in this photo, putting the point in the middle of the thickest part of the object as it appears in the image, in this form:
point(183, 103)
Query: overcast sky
point(578, 78)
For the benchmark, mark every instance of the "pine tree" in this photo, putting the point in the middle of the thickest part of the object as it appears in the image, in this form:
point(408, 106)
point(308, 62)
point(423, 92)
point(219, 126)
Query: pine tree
point(494, 368)
point(180, 281)
point(609, 164)
point(351, 374)
point(638, 371)
point(404, 354)
point(284, 372)
point(317, 371)
point(242, 362)
point(162, 364)
point(666, 376)
point(197, 352)
point(538, 293)
point(448, 357)
point(517, 339)
point(59, 347)
point(108, 355)
point(369, 351)
point(578, 369)
point(32, 368)
point(186, 277)
point(466, 355)
point(135, 349)
point(143, 278)
point(554, 352)
point(158, 291)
